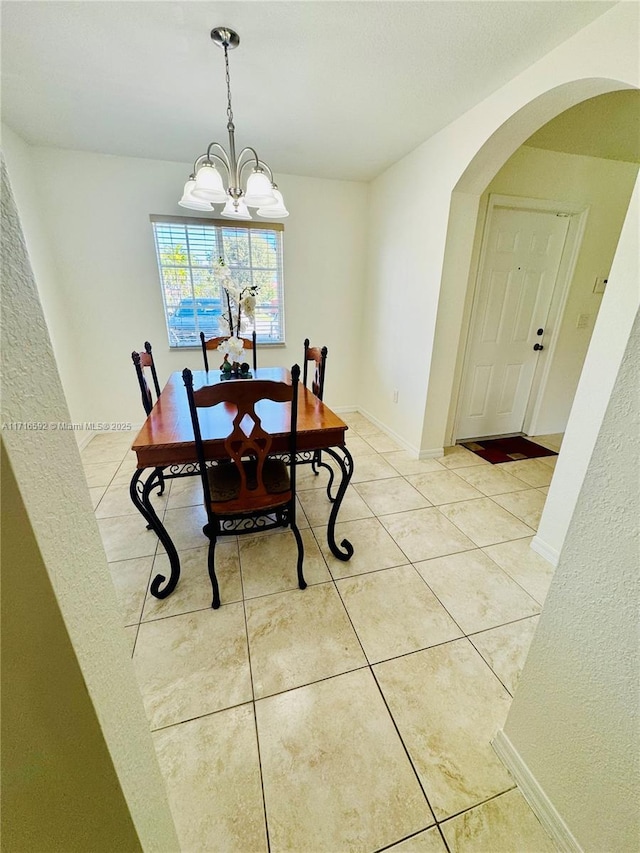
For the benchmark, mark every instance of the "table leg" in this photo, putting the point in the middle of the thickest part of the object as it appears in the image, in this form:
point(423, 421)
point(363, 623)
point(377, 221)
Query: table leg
point(316, 463)
point(140, 492)
point(345, 461)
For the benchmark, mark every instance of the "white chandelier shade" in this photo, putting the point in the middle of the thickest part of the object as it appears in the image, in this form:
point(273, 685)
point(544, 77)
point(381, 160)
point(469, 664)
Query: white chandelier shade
point(277, 210)
point(190, 201)
point(206, 185)
point(259, 192)
point(236, 210)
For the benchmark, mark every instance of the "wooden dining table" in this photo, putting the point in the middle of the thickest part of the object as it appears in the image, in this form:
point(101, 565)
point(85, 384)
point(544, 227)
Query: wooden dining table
point(165, 450)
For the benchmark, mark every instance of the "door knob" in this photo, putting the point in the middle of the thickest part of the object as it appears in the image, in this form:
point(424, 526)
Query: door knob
point(538, 347)
point(540, 332)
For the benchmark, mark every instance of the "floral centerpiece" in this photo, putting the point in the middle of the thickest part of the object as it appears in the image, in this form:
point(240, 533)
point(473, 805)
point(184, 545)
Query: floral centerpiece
point(241, 304)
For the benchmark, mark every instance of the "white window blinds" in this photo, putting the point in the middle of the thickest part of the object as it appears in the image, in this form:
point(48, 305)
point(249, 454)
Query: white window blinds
point(188, 252)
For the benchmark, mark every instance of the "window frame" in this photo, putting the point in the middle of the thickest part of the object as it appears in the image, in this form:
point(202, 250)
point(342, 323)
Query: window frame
point(218, 224)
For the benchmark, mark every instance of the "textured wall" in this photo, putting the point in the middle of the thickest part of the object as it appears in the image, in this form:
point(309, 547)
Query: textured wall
point(53, 491)
point(53, 752)
point(36, 232)
point(575, 718)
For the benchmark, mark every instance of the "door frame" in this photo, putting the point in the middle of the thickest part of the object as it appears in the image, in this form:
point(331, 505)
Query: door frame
point(577, 215)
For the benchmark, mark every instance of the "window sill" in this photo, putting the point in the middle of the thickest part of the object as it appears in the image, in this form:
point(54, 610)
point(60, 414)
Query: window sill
point(265, 344)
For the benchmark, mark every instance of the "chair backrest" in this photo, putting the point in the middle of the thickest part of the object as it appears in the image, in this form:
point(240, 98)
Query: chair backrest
point(247, 438)
point(214, 343)
point(142, 360)
point(319, 357)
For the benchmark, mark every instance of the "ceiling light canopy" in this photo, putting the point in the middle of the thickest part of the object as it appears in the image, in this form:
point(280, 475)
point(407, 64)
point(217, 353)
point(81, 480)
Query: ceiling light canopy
point(206, 185)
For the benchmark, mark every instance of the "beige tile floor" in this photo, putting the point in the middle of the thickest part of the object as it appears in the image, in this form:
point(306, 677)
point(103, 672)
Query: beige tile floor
point(356, 715)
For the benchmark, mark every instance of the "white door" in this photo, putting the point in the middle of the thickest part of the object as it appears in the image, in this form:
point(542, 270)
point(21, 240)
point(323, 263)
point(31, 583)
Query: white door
point(522, 256)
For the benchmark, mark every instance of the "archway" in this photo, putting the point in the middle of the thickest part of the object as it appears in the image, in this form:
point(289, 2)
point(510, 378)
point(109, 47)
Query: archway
point(460, 263)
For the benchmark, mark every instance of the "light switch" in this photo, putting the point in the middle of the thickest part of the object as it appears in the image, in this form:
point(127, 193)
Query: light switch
point(583, 321)
point(601, 283)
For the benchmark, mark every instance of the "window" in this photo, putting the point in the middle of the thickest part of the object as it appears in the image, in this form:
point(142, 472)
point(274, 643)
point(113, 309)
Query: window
point(188, 250)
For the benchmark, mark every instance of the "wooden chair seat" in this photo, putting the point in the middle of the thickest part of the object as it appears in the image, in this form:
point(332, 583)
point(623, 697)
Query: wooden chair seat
point(225, 485)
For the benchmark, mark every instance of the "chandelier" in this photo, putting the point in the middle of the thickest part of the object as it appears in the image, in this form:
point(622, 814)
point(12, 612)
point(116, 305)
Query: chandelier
point(205, 186)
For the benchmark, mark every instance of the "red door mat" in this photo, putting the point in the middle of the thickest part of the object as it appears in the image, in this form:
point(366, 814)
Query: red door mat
point(497, 450)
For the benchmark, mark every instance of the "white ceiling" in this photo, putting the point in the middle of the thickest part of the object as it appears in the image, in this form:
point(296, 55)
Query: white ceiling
point(326, 89)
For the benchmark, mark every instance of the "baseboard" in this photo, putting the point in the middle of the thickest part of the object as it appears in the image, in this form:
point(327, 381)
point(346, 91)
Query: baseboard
point(434, 453)
point(550, 554)
point(418, 454)
point(530, 789)
point(83, 437)
point(394, 435)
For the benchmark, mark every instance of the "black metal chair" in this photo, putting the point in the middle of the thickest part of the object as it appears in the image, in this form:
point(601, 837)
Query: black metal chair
point(214, 343)
point(142, 360)
point(319, 357)
point(251, 490)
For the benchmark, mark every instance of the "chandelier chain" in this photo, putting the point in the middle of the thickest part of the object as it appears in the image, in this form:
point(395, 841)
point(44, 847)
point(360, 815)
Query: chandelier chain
point(228, 79)
point(205, 186)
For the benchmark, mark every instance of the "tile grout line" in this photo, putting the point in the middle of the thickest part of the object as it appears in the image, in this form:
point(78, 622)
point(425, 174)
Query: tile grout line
point(502, 571)
point(368, 664)
point(253, 697)
point(415, 835)
point(513, 787)
point(202, 716)
point(465, 636)
point(493, 672)
point(524, 589)
point(370, 668)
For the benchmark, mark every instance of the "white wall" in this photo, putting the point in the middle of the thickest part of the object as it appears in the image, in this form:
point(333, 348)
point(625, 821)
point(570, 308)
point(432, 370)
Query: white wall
point(407, 232)
point(96, 209)
point(53, 490)
point(20, 165)
point(604, 187)
point(409, 215)
point(575, 717)
point(619, 307)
